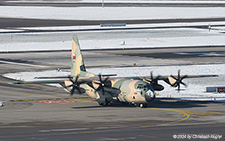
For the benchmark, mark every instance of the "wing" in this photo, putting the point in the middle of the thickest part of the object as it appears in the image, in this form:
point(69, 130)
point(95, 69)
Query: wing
point(74, 83)
point(69, 76)
point(165, 77)
point(38, 82)
point(171, 80)
point(67, 82)
point(174, 81)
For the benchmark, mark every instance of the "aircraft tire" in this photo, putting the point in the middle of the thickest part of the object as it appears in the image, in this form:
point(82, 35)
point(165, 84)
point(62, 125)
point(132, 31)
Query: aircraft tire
point(141, 105)
point(101, 104)
point(107, 103)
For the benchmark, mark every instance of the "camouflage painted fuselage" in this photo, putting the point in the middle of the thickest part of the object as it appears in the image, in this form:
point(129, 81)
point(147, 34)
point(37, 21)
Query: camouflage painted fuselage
point(122, 90)
point(133, 91)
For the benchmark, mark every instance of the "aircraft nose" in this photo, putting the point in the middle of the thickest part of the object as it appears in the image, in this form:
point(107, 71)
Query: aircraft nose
point(149, 96)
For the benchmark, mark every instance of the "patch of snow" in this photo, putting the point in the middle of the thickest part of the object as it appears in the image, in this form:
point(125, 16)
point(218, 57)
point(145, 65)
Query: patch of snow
point(9, 30)
point(118, 1)
point(213, 25)
point(143, 42)
point(110, 13)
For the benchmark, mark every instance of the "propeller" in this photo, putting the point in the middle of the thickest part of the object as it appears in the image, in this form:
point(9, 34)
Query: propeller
point(179, 80)
point(101, 84)
point(74, 85)
point(154, 81)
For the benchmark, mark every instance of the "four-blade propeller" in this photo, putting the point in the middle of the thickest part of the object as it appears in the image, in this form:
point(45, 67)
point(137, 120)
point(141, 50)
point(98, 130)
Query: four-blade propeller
point(74, 85)
point(179, 80)
point(101, 84)
point(154, 81)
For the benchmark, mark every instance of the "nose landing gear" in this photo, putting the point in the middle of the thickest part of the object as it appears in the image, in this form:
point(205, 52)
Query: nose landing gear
point(141, 105)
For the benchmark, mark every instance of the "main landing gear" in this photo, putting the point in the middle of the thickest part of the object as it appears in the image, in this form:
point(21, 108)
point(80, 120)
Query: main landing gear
point(106, 103)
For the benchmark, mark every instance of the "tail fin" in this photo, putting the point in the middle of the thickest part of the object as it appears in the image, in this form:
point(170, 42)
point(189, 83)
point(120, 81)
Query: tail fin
point(76, 58)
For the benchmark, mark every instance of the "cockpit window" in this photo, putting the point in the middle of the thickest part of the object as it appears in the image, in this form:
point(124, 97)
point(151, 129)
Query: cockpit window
point(141, 86)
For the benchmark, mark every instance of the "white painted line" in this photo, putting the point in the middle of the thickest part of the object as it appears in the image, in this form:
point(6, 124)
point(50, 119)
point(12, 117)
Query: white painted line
point(62, 130)
point(100, 128)
point(22, 64)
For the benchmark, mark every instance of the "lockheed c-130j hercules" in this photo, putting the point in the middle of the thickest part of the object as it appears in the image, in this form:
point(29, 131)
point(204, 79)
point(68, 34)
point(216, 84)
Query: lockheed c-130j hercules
point(105, 89)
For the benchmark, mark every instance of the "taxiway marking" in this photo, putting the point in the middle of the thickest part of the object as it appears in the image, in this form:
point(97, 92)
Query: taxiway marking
point(22, 64)
point(172, 122)
point(83, 130)
point(206, 113)
point(57, 99)
point(63, 130)
point(139, 127)
point(9, 92)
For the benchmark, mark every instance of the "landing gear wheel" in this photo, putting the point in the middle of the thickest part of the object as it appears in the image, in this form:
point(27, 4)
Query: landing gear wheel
point(107, 103)
point(102, 104)
point(141, 105)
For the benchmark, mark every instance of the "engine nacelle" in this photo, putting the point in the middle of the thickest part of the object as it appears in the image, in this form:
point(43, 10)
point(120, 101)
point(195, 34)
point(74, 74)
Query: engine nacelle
point(158, 87)
point(171, 81)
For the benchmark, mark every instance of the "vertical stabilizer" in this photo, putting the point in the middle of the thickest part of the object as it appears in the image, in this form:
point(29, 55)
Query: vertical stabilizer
point(76, 58)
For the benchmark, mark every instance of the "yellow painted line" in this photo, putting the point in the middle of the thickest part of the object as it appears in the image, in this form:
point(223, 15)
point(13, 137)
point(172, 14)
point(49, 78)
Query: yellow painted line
point(206, 113)
point(195, 112)
point(86, 100)
point(167, 123)
point(140, 127)
point(9, 92)
point(185, 113)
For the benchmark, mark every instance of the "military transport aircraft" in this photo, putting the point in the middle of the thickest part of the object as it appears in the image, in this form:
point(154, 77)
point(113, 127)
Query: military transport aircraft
point(135, 90)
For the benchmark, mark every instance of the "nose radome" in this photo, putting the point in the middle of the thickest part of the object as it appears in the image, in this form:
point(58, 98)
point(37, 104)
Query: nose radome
point(149, 96)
